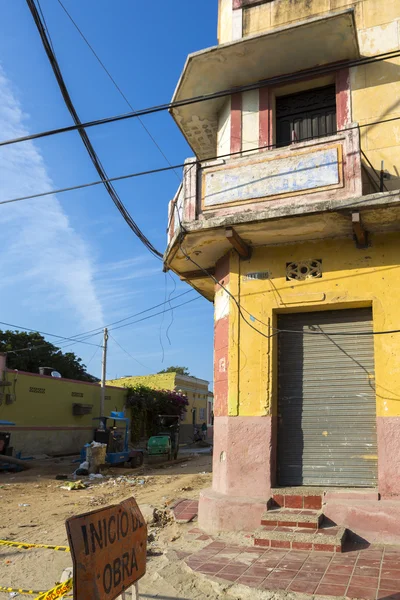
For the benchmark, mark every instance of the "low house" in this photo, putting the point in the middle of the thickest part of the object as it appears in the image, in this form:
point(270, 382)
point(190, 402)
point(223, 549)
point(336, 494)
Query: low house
point(195, 389)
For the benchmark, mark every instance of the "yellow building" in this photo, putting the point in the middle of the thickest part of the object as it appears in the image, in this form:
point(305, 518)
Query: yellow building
point(288, 219)
point(196, 390)
point(52, 415)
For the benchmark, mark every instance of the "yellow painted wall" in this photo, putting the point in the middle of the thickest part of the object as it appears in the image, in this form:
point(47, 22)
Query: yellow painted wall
point(375, 87)
point(196, 393)
point(351, 278)
point(47, 401)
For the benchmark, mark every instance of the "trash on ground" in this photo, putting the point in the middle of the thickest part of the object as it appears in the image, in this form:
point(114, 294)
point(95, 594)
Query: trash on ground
point(23, 504)
point(74, 485)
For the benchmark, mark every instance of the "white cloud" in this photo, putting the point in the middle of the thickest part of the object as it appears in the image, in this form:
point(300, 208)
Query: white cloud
point(43, 259)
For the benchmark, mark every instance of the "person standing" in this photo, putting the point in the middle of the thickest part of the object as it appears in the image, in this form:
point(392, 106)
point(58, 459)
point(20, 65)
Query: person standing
point(204, 431)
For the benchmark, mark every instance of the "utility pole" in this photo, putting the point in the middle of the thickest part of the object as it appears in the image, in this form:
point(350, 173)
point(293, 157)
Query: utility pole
point(103, 372)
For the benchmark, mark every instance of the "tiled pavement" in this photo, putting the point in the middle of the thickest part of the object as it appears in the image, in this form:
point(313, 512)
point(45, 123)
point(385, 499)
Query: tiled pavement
point(185, 510)
point(369, 574)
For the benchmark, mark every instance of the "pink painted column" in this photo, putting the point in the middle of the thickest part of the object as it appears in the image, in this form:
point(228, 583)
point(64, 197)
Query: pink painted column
point(242, 445)
point(343, 98)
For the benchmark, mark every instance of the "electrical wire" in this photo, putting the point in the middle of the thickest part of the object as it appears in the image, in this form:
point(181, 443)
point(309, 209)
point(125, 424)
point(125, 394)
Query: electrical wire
point(172, 311)
point(320, 70)
point(79, 339)
point(85, 139)
point(90, 360)
point(115, 84)
point(94, 332)
point(241, 308)
point(186, 164)
point(156, 314)
point(130, 355)
point(61, 337)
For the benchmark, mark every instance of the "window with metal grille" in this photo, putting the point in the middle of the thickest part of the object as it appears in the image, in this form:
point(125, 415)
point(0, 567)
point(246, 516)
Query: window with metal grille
point(305, 115)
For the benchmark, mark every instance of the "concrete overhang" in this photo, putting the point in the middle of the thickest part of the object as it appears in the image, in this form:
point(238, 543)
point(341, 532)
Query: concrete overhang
point(306, 44)
point(206, 240)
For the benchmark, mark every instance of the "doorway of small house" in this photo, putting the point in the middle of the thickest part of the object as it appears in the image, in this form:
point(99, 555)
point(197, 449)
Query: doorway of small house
point(326, 402)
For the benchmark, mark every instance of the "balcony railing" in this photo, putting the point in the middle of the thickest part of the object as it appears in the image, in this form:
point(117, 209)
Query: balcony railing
point(316, 171)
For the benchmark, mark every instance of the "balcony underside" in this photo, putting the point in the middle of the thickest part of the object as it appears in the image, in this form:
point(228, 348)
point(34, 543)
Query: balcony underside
point(285, 50)
point(206, 240)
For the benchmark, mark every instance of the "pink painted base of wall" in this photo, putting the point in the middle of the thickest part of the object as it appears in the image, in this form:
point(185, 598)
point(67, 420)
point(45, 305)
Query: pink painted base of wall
point(242, 456)
point(388, 432)
point(377, 521)
point(221, 512)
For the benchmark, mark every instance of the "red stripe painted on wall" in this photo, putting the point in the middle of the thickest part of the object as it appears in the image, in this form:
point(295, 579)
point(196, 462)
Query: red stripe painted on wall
point(343, 98)
point(236, 123)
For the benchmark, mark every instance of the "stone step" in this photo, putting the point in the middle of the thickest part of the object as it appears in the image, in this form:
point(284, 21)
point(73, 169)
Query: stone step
point(326, 539)
point(291, 517)
point(298, 498)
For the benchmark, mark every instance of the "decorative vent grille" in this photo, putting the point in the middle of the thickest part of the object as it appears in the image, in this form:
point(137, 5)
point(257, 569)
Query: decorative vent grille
point(77, 394)
point(37, 390)
point(257, 275)
point(305, 269)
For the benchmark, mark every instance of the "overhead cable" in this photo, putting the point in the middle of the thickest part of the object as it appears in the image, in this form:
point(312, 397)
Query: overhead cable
point(321, 70)
point(129, 354)
point(186, 164)
point(115, 84)
point(85, 139)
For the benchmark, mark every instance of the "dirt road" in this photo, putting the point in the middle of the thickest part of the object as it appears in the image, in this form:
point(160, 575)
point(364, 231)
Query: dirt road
point(35, 507)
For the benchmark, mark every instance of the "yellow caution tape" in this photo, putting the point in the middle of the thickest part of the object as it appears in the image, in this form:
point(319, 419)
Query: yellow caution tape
point(27, 546)
point(58, 591)
point(19, 591)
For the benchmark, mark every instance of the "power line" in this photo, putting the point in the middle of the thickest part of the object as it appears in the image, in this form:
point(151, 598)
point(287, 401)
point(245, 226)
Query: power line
point(80, 338)
point(94, 332)
point(321, 70)
point(277, 331)
point(128, 353)
point(157, 313)
point(115, 83)
point(61, 337)
point(85, 139)
point(185, 164)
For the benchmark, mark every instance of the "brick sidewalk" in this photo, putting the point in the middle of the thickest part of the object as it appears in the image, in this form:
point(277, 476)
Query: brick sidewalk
point(368, 574)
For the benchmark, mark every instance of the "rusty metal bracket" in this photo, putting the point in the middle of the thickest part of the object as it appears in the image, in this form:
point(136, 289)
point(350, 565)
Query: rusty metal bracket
point(359, 232)
point(240, 245)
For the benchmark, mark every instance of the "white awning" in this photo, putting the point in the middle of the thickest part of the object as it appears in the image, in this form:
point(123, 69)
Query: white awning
point(290, 49)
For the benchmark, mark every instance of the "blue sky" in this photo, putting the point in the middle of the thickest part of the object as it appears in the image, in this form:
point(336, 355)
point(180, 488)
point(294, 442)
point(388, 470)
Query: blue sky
point(70, 263)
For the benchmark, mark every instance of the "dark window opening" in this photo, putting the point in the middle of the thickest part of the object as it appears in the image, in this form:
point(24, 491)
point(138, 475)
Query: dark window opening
point(306, 115)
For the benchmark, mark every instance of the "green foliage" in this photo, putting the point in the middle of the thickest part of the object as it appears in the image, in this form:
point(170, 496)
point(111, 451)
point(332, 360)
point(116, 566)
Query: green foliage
point(147, 404)
point(40, 353)
point(180, 370)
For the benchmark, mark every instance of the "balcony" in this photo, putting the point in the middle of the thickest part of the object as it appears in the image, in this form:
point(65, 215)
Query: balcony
point(306, 191)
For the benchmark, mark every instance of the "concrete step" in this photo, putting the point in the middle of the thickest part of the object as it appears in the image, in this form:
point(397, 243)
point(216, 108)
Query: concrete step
point(298, 498)
point(325, 539)
point(291, 517)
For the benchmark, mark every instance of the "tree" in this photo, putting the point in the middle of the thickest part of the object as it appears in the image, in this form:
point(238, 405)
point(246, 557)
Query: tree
point(180, 370)
point(147, 404)
point(29, 351)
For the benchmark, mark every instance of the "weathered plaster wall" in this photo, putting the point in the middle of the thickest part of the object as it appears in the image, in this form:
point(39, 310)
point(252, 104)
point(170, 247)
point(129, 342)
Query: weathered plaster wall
point(351, 278)
point(375, 88)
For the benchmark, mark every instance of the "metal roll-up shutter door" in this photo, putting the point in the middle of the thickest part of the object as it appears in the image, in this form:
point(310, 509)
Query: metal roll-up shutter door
point(326, 406)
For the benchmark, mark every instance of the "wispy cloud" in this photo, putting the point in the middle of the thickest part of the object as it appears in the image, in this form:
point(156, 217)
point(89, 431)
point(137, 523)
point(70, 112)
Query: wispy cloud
point(44, 260)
